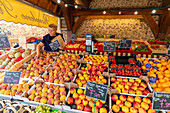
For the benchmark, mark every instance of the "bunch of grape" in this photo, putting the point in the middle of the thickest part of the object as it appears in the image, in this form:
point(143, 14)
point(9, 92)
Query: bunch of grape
point(42, 109)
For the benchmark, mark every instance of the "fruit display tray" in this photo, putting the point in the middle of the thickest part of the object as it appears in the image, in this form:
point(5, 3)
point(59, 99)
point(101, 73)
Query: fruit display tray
point(58, 106)
point(83, 61)
point(73, 106)
point(123, 85)
point(104, 76)
point(14, 88)
point(84, 65)
point(57, 82)
point(130, 101)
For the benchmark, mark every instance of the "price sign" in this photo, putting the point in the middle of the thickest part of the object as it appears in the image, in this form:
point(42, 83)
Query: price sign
point(125, 43)
point(4, 42)
point(55, 45)
point(161, 101)
point(109, 46)
point(12, 77)
point(112, 36)
point(96, 90)
point(168, 53)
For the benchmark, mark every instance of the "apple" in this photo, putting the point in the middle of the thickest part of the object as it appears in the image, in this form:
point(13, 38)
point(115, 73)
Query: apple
point(114, 97)
point(70, 100)
point(87, 108)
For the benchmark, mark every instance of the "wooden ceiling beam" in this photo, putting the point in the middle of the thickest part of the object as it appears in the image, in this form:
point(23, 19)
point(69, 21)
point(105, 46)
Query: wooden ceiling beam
point(154, 27)
point(67, 16)
point(49, 4)
point(115, 17)
point(98, 12)
point(84, 3)
point(164, 25)
point(55, 8)
point(77, 24)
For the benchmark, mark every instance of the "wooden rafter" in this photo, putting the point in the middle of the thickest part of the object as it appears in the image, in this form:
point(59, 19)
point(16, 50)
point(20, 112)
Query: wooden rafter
point(115, 17)
point(79, 21)
point(55, 8)
point(164, 25)
point(84, 3)
point(67, 16)
point(49, 4)
point(154, 27)
point(97, 12)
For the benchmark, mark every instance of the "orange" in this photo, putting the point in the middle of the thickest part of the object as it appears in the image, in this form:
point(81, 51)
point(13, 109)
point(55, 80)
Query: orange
point(143, 67)
point(159, 85)
point(166, 84)
point(153, 85)
point(158, 72)
point(161, 80)
point(162, 60)
point(152, 75)
point(166, 78)
point(154, 70)
point(145, 62)
point(167, 72)
point(164, 63)
point(160, 76)
point(166, 90)
point(159, 65)
point(158, 89)
point(146, 59)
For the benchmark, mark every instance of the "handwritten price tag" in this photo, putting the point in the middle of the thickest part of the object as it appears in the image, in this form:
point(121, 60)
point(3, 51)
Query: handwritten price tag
point(55, 45)
point(109, 46)
point(96, 90)
point(125, 43)
point(12, 78)
point(161, 101)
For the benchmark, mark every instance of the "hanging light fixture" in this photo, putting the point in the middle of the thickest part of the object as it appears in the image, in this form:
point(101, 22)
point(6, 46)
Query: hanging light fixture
point(120, 12)
point(59, 1)
point(66, 5)
point(154, 11)
point(104, 12)
point(76, 6)
point(135, 12)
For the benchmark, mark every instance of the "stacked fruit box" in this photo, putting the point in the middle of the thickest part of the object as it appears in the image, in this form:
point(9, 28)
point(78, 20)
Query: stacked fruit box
point(16, 91)
point(131, 103)
point(46, 93)
point(76, 101)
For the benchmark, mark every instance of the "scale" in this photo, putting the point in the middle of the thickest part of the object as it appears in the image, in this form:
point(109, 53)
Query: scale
point(89, 43)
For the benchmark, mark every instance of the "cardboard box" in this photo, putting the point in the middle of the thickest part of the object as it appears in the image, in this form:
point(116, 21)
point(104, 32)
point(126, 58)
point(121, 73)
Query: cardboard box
point(32, 46)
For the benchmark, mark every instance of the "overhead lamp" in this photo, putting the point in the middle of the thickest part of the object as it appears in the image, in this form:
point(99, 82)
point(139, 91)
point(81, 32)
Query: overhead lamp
point(66, 5)
point(154, 11)
point(76, 6)
point(104, 12)
point(120, 12)
point(135, 12)
point(59, 1)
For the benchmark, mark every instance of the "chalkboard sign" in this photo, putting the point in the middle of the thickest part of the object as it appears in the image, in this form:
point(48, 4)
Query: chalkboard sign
point(4, 43)
point(125, 43)
point(109, 46)
point(96, 90)
point(12, 77)
point(168, 53)
point(161, 101)
point(112, 36)
point(55, 45)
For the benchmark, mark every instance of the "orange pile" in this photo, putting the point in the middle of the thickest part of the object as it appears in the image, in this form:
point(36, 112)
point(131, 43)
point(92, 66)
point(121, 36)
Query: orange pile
point(163, 82)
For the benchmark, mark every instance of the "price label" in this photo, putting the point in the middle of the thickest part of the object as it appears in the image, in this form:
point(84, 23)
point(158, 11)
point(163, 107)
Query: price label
point(55, 45)
point(161, 101)
point(96, 90)
point(4, 42)
point(12, 77)
point(109, 46)
point(125, 43)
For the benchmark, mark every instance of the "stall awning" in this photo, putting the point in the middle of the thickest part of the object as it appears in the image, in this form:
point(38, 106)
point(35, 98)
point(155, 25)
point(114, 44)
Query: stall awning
point(17, 12)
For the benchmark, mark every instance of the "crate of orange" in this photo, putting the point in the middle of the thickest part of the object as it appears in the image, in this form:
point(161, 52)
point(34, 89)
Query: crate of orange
point(158, 71)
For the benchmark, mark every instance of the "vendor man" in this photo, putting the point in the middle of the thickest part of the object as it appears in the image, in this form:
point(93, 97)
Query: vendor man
point(52, 33)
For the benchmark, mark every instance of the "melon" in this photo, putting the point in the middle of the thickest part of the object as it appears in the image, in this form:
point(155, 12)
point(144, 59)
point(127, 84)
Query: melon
point(17, 55)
